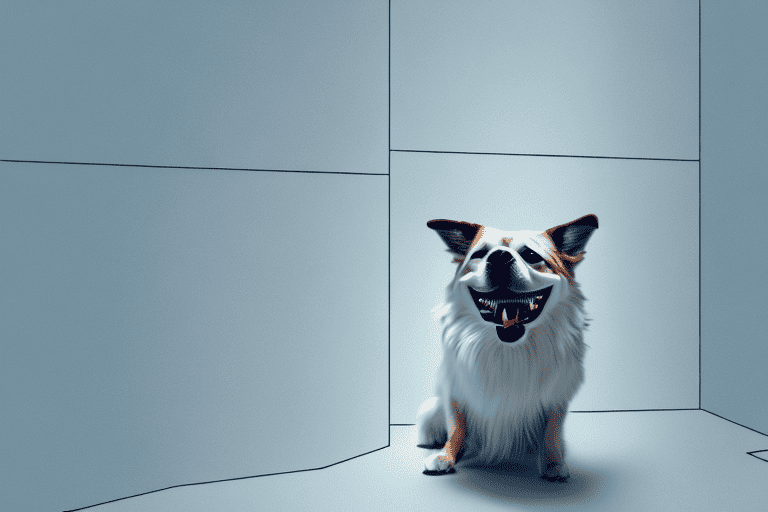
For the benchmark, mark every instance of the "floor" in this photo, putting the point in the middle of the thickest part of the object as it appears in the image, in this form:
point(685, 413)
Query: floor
point(656, 461)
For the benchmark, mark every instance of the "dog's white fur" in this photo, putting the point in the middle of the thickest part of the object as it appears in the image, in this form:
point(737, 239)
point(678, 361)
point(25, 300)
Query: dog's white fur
point(506, 390)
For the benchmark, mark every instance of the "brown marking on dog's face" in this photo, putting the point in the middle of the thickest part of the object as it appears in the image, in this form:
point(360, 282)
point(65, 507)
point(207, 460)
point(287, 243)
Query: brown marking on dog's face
point(559, 262)
point(506, 241)
point(555, 263)
point(476, 240)
point(543, 266)
point(472, 245)
point(566, 244)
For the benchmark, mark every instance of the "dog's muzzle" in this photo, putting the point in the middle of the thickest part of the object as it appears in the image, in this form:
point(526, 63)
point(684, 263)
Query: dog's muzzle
point(508, 309)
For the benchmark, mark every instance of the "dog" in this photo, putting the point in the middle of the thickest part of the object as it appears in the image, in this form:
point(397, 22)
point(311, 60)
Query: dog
point(512, 344)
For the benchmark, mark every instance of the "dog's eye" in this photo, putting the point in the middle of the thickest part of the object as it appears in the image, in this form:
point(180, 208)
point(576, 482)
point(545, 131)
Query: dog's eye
point(479, 254)
point(530, 256)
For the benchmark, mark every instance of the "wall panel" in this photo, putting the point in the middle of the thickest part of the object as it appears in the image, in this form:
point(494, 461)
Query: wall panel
point(734, 182)
point(615, 79)
point(265, 85)
point(640, 274)
point(179, 326)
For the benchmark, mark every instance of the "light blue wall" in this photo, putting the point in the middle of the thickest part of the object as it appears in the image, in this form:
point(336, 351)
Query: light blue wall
point(734, 183)
point(640, 274)
point(171, 327)
point(159, 326)
point(150, 336)
point(267, 85)
point(615, 80)
point(610, 79)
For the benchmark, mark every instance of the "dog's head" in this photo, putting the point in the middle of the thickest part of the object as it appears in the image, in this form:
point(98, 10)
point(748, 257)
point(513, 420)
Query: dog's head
point(512, 277)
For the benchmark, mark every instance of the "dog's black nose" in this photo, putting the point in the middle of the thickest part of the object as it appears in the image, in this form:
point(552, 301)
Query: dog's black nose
point(497, 267)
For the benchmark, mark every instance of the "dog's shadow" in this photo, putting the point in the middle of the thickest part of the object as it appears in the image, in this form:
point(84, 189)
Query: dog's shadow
point(520, 484)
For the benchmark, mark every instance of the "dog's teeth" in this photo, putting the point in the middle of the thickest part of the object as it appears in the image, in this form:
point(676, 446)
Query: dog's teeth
point(504, 317)
point(488, 304)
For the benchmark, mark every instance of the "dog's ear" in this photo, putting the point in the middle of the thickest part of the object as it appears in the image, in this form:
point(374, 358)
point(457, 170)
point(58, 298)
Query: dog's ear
point(571, 238)
point(458, 236)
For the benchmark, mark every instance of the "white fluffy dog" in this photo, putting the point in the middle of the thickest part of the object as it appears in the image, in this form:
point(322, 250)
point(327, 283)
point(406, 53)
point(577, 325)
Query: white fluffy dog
point(512, 343)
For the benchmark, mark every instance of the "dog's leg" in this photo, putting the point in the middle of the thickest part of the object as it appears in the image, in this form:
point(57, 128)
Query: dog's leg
point(431, 425)
point(554, 451)
point(443, 461)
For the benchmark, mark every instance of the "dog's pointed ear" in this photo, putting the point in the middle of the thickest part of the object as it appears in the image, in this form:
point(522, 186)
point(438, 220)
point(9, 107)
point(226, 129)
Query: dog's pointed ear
point(571, 238)
point(458, 236)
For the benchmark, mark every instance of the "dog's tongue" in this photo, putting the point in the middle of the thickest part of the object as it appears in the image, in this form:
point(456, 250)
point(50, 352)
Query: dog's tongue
point(506, 321)
point(511, 329)
point(510, 334)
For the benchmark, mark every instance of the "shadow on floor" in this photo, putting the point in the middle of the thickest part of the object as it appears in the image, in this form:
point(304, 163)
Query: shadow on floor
point(519, 484)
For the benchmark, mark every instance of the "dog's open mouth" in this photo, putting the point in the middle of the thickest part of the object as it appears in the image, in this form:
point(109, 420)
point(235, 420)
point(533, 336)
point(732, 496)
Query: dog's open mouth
point(510, 310)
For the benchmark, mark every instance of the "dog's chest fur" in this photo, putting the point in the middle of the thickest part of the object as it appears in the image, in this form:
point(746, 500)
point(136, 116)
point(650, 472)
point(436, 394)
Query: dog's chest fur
point(506, 390)
point(512, 343)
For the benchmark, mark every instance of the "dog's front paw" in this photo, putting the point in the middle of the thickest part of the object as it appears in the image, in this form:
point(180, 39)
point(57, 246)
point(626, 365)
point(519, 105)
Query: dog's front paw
point(556, 473)
point(438, 464)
